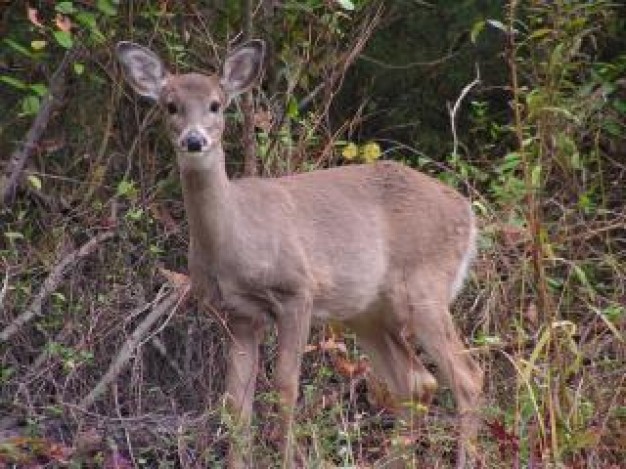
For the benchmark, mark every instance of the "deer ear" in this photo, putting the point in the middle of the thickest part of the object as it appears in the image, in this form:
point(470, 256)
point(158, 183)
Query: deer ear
point(142, 68)
point(242, 67)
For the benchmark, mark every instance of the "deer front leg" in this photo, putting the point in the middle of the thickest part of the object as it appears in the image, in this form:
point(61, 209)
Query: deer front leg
point(293, 325)
point(242, 369)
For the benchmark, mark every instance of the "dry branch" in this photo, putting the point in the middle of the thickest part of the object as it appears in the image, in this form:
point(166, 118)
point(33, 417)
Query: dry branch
point(247, 106)
point(52, 282)
point(161, 307)
point(18, 158)
point(5, 287)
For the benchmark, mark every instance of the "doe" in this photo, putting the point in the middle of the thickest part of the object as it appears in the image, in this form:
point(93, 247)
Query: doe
point(380, 248)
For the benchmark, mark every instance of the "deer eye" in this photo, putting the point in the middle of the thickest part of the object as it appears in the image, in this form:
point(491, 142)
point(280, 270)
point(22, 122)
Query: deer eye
point(172, 108)
point(214, 106)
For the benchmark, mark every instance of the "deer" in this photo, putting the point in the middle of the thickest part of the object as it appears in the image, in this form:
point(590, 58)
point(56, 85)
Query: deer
point(379, 248)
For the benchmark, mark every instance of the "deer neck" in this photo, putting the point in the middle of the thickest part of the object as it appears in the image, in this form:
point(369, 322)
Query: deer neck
point(208, 199)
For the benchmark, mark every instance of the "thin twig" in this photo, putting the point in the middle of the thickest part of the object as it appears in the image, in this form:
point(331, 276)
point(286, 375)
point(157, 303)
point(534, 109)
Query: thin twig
point(20, 155)
point(162, 306)
point(430, 63)
point(5, 287)
point(453, 112)
point(160, 347)
point(51, 283)
point(304, 102)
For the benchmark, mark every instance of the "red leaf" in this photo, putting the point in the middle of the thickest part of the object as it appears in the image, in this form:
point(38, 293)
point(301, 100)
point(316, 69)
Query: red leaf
point(59, 453)
point(507, 440)
point(63, 23)
point(177, 279)
point(33, 16)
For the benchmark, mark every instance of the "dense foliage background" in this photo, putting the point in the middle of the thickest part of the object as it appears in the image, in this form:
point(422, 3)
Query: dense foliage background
point(521, 105)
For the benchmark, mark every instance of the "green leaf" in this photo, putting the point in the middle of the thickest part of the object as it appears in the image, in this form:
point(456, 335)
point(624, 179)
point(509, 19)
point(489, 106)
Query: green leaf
point(612, 127)
point(126, 189)
point(65, 8)
point(620, 106)
point(38, 44)
point(480, 207)
point(487, 340)
point(16, 46)
point(156, 250)
point(585, 203)
point(477, 28)
point(106, 7)
point(580, 274)
point(40, 89)
point(511, 161)
point(30, 105)
point(541, 33)
point(292, 108)
point(535, 176)
point(585, 439)
point(34, 181)
point(346, 5)
point(14, 82)
point(58, 296)
point(78, 68)
point(609, 324)
point(134, 214)
point(88, 20)
point(64, 39)
point(614, 312)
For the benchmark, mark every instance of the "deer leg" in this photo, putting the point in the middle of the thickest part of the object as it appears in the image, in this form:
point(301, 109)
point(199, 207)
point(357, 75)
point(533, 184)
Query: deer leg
point(242, 369)
point(436, 333)
point(398, 366)
point(293, 325)
point(406, 378)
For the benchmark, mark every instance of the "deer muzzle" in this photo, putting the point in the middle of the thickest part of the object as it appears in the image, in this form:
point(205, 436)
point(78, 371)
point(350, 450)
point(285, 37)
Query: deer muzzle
point(194, 141)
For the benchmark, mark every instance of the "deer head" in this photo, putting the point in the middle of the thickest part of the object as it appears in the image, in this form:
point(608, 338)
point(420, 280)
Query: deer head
point(193, 103)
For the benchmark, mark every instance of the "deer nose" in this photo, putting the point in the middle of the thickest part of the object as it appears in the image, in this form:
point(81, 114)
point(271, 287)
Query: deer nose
point(194, 141)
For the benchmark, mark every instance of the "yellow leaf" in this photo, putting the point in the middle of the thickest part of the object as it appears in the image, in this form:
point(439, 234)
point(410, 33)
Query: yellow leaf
point(350, 151)
point(370, 152)
point(35, 182)
point(38, 45)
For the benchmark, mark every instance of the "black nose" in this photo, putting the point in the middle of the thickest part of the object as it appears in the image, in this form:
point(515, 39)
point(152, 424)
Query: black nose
point(194, 141)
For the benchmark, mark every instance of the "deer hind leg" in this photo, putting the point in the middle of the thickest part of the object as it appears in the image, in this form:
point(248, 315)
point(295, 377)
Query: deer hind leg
point(435, 332)
point(395, 363)
point(406, 381)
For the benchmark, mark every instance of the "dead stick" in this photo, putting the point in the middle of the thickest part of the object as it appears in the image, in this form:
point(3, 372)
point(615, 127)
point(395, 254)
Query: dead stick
point(5, 287)
point(171, 301)
point(247, 105)
point(18, 159)
point(52, 282)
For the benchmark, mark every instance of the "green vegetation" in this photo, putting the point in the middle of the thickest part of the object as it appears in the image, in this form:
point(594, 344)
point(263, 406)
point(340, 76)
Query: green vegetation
point(520, 105)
